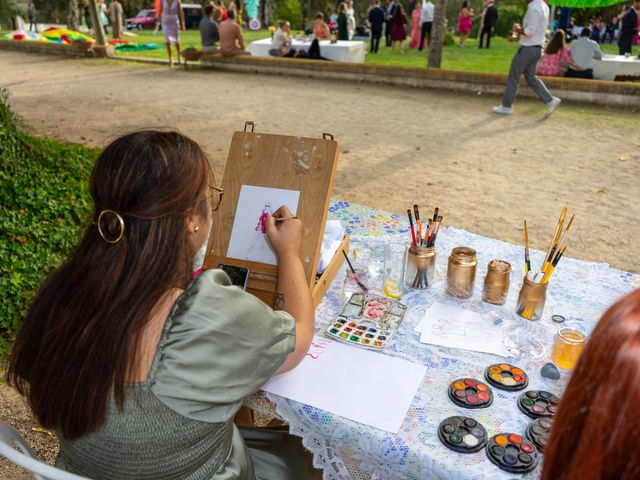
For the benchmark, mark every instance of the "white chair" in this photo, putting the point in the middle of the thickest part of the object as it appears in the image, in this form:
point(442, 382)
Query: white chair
point(27, 459)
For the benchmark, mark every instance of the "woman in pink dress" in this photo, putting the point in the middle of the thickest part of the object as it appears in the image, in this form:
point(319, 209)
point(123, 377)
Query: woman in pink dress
point(464, 22)
point(556, 58)
point(398, 30)
point(416, 27)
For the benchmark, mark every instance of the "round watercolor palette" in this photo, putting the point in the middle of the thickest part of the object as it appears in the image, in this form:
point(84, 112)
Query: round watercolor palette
point(470, 393)
point(462, 434)
point(538, 403)
point(538, 432)
point(511, 453)
point(506, 377)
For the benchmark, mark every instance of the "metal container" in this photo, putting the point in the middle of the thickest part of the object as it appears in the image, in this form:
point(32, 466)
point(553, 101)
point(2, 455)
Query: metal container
point(461, 272)
point(420, 268)
point(531, 300)
point(496, 283)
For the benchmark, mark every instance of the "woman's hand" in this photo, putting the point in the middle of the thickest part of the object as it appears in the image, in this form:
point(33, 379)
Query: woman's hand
point(285, 236)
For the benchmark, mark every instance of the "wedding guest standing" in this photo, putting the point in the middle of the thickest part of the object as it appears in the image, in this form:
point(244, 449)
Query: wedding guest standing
point(426, 21)
point(172, 19)
point(33, 22)
point(532, 37)
point(376, 19)
point(388, 27)
point(399, 29)
point(488, 23)
point(351, 19)
point(416, 27)
point(343, 27)
point(464, 22)
point(116, 13)
point(628, 28)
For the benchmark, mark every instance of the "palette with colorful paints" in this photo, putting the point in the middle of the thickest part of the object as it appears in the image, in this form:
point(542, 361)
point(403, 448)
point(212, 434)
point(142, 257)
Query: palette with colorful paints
point(538, 432)
point(368, 321)
point(511, 453)
point(506, 377)
point(462, 434)
point(470, 393)
point(538, 403)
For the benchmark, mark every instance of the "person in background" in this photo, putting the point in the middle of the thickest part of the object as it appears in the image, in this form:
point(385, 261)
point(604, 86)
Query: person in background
point(464, 22)
point(209, 34)
point(596, 26)
point(388, 26)
point(556, 58)
point(416, 27)
point(351, 19)
point(583, 51)
point(31, 13)
point(426, 22)
point(376, 18)
point(532, 38)
point(488, 23)
point(343, 27)
point(231, 39)
point(594, 432)
point(172, 20)
point(236, 12)
point(628, 28)
point(86, 14)
point(399, 29)
point(610, 30)
point(320, 27)
point(116, 13)
point(102, 13)
point(221, 11)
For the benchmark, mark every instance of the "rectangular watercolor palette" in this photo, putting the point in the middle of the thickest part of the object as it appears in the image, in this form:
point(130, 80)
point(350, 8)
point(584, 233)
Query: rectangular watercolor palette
point(368, 321)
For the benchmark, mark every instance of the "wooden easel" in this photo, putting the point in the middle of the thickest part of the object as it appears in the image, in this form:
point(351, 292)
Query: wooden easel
point(307, 165)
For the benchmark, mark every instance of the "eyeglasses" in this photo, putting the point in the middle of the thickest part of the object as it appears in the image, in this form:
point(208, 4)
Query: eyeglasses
point(215, 197)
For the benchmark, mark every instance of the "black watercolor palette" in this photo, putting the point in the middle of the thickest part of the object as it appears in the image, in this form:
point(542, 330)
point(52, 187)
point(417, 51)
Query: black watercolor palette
point(506, 377)
point(462, 434)
point(538, 432)
point(470, 393)
point(538, 403)
point(511, 453)
point(368, 321)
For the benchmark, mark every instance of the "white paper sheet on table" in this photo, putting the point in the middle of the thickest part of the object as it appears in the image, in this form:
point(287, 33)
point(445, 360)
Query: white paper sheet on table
point(331, 241)
point(248, 240)
point(368, 387)
point(454, 327)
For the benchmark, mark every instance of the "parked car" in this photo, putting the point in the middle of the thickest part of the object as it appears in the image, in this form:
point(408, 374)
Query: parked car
point(192, 14)
point(146, 18)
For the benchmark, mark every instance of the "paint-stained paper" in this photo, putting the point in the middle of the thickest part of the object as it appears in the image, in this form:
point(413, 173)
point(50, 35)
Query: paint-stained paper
point(248, 236)
point(364, 386)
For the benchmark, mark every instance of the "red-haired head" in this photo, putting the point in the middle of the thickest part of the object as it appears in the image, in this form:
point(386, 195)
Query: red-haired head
point(596, 432)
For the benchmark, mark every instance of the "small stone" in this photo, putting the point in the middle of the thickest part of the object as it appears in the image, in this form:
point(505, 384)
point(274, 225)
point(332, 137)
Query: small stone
point(550, 371)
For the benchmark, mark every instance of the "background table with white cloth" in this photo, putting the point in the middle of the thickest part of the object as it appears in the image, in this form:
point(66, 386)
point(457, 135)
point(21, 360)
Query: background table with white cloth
point(612, 65)
point(341, 51)
point(581, 291)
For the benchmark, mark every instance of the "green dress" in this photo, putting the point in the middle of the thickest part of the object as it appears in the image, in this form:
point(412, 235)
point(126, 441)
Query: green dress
point(219, 345)
point(343, 27)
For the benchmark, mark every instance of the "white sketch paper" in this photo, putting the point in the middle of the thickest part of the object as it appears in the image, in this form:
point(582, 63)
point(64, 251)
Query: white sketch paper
point(248, 238)
point(368, 387)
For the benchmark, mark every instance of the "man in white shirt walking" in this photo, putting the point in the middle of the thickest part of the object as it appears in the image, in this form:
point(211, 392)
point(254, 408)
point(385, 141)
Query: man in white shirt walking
point(525, 61)
point(426, 21)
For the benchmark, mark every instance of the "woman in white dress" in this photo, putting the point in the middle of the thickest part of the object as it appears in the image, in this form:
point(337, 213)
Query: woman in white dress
point(351, 19)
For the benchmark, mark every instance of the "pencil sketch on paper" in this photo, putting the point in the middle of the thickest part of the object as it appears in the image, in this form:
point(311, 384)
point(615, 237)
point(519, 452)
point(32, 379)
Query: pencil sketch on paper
point(248, 235)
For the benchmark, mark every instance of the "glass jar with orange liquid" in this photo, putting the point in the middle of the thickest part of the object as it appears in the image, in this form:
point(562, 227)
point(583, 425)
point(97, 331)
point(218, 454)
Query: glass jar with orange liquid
point(567, 347)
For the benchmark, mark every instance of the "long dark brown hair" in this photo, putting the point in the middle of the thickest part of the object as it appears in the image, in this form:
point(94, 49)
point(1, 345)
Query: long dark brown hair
point(79, 342)
point(595, 433)
point(556, 43)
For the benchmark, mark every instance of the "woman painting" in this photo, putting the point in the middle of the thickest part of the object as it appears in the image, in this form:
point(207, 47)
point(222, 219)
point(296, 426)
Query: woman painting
point(343, 24)
point(320, 27)
point(172, 20)
point(139, 368)
point(595, 431)
point(464, 22)
point(416, 27)
point(398, 30)
point(556, 57)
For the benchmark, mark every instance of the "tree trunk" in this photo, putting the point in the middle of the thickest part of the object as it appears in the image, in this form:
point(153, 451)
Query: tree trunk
point(97, 24)
point(73, 19)
point(437, 38)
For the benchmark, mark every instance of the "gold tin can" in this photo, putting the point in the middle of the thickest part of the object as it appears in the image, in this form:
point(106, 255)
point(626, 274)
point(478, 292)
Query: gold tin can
point(461, 272)
point(496, 283)
point(531, 300)
point(420, 268)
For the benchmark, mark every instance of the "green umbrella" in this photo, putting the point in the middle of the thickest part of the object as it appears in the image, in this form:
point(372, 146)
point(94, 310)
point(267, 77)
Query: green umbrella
point(583, 3)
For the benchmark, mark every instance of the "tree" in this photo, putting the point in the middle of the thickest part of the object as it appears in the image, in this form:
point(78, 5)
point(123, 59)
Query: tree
point(437, 39)
point(73, 17)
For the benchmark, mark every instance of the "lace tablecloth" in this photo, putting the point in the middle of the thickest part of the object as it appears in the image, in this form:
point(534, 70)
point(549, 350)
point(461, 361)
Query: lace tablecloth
point(580, 291)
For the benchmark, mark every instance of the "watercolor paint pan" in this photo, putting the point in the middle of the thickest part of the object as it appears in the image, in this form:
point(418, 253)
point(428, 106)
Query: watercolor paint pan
point(538, 432)
point(470, 393)
point(538, 403)
point(509, 452)
point(462, 434)
point(506, 377)
point(368, 321)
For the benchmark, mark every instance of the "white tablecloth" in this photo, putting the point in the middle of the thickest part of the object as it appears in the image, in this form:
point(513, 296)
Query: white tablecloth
point(612, 65)
point(342, 51)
